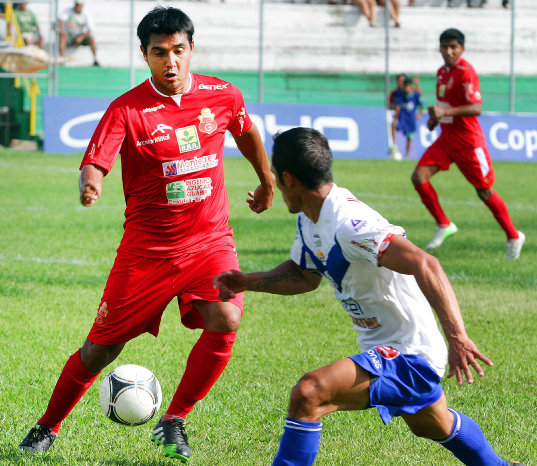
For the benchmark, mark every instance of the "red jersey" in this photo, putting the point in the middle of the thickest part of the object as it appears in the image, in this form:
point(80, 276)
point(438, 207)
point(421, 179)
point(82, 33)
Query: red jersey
point(459, 85)
point(172, 163)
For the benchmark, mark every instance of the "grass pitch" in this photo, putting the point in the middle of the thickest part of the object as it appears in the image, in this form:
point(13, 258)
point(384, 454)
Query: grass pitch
point(55, 257)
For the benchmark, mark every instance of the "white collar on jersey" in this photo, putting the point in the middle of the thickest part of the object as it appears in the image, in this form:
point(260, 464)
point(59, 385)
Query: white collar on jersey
point(173, 96)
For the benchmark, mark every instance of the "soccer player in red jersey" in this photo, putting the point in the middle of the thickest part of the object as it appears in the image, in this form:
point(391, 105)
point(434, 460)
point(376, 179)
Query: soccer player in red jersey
point(170, 133)
point(462, 141)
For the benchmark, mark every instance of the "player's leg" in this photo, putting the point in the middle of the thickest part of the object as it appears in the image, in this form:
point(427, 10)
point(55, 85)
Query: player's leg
point(340, 386)
point(433, 160)
point(476, 166)
point(457, 432)
point(200, 308)
point(132, 303)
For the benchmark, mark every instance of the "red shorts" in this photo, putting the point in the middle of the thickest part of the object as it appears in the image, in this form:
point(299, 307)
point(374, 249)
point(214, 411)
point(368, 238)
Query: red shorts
point(139, 289)
point(474, 162)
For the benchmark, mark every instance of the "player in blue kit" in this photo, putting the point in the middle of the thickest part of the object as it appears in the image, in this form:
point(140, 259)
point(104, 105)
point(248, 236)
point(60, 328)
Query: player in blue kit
point(387, 286)
point(408, 108)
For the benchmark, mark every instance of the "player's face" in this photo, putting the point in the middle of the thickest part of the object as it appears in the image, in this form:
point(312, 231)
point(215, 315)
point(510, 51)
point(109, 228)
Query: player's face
point(290, 199)
point(168, 57)
point(451, 51)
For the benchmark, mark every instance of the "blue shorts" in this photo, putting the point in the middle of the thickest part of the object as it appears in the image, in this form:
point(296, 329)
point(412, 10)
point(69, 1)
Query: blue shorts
point(406, 382)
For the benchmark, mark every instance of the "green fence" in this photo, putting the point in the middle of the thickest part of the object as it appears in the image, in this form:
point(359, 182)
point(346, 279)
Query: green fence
point(296, 88)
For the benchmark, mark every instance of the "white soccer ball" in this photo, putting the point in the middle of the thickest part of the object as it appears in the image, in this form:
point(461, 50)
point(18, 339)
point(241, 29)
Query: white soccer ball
point(130, 395)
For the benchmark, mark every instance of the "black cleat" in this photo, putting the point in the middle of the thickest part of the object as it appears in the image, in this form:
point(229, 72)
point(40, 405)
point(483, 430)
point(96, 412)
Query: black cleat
point(172, 435)
point(40, 438)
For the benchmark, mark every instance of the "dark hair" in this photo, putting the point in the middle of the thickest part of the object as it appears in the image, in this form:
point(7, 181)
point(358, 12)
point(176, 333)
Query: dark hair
point(164, 20)
point(407, 81)
point(305, 153)
point(452, 34)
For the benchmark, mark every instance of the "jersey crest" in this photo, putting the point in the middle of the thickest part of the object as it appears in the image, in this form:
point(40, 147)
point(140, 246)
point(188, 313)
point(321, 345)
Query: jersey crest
point(207, 122)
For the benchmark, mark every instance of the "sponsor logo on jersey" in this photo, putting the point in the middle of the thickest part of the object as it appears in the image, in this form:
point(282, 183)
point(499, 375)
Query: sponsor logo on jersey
point(213, 87)
point(181, 167)
point(207, 123)
point(186, 191)
point(366, 322)
point(152, 109)
point(442, 90)
point(320, 255)
point(387, 352)
point(188, 139)
point(148, 142)
point(358, 224)
point(352, 307)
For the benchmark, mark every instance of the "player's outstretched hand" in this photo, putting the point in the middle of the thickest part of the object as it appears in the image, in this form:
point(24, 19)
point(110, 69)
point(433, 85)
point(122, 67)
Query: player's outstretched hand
point(260, 199)
point(462, 356)
point(229, 283)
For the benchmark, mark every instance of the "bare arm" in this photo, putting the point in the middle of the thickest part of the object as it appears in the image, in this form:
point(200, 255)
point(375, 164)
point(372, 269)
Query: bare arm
point(251, 146)
point(285, 279)
point(90, 184)
point(404, 257)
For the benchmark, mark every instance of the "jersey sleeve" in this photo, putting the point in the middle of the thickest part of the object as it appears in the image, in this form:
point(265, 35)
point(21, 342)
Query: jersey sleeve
point(107, 139)
point(240, 120)
point(470, 85)
point(366, 239)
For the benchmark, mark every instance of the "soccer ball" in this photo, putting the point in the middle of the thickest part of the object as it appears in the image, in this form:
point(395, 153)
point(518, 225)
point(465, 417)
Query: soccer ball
point(130, 395)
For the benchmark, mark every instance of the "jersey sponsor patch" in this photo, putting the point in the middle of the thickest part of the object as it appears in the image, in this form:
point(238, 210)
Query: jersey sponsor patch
point(182, 167)
point(186, 191)
point(387, 352)
point(240, 116)
point(152, 109)
point(358, 224)
point(213, 87)
point(207, 123)
point(188, 139)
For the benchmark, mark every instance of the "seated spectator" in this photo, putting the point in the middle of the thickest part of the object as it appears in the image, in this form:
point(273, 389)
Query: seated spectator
point(75, 30)
point(28, 25)
point(394, 7)
point(368, 9)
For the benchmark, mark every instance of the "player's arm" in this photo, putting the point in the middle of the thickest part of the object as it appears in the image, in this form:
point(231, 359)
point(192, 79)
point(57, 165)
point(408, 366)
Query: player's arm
point(251, 146)
point(90, 184)
point(288, 278)
point(466, 110)
point(404, 257)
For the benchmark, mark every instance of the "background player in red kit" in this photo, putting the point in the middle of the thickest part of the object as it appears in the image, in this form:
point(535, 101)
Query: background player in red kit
point(462, 141)
point(170, 133)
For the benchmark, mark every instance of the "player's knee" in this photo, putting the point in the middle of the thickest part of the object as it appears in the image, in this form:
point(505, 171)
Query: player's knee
point(230, 320)
point(308, 394)
point(96, 357)
point(417, 178)
point(484, 194)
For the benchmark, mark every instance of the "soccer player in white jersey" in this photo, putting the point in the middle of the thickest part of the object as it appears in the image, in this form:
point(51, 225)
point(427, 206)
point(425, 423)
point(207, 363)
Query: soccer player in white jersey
point(387, 285)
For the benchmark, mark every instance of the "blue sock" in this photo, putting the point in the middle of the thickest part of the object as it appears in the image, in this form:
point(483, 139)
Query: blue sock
point(468, 443)
point(299, 443)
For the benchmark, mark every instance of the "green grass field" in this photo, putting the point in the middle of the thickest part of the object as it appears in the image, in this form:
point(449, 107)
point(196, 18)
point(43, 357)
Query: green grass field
point(55, 257)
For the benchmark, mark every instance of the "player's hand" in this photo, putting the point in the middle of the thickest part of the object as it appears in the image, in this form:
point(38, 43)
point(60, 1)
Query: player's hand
point(260, 199)
point(89, 193)
point(229, 283)
point(462, 356)
point(431, 123)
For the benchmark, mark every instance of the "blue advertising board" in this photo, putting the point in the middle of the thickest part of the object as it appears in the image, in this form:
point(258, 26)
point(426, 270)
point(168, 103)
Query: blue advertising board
point(353, 132)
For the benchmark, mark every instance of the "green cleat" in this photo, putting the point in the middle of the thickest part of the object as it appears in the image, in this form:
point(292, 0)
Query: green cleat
point(172, 435)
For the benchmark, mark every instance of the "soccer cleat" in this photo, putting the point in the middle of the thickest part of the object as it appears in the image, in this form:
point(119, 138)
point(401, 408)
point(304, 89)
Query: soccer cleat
point(440, 234)
point(514, 246)
point(172, 435)
point(511, 463)
point(40, 438)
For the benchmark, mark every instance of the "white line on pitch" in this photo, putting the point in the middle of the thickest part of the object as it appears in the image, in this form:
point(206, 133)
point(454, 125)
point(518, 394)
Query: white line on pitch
point(43, 260)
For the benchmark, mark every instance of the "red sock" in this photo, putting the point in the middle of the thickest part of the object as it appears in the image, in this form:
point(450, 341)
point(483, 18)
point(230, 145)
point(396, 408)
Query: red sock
point(430, 199)
point(498, 208)
point(74, 381)
point(206, 362)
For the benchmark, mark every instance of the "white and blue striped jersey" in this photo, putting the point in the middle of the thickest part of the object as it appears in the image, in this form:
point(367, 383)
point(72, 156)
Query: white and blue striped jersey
point(387, 308)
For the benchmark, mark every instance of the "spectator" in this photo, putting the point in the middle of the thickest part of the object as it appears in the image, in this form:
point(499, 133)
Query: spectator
point(400, 80)
point(394, 8)
point(408, 107)
point(368, 9)
point(28, 25)
point(76, 29)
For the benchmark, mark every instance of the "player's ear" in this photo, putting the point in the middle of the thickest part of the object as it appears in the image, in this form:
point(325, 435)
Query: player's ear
point(192, 47)
point(289, 180)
